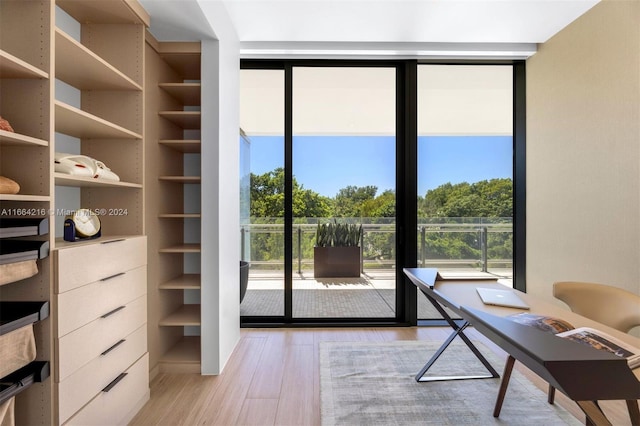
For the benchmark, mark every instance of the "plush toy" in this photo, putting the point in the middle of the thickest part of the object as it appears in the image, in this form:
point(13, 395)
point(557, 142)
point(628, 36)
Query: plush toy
point(4, 125)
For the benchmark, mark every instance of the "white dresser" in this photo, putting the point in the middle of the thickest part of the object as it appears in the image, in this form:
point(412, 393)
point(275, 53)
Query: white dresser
point(102, 363)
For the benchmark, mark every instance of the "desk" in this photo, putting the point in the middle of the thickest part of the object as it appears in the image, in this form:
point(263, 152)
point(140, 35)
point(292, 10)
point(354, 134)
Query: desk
point(584, 374)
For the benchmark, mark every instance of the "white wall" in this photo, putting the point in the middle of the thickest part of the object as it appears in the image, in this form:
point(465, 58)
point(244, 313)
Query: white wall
point(220, 296)
point(583, 152)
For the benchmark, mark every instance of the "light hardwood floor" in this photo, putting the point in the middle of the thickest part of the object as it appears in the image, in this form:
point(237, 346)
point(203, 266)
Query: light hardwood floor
point(273, 378)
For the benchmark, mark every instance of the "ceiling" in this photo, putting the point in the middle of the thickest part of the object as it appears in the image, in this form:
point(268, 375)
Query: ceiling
point(381, 27)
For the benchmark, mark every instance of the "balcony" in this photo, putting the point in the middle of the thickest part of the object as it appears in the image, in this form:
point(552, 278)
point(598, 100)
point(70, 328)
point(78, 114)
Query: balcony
point(458, 247)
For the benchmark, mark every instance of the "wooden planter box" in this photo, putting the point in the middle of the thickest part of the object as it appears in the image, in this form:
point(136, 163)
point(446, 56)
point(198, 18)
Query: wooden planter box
point(336, 262)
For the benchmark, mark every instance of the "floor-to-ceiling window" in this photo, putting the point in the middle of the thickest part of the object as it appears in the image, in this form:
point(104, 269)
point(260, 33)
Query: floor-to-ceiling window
point(344, 171)
point(465, 171)
point(411, 164)
point(262, 221)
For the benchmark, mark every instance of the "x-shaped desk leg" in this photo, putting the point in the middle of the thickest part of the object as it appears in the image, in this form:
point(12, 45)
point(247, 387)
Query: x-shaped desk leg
point(458, 330)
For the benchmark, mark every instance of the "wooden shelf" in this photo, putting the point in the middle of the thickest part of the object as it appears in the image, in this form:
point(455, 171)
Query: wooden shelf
point(180, 179)
point(24, 197)
point(184, 282)
point(184, 316)
point(10, 138)
point(83, 69)
point(186, 351)
point(185, 93)
point(75, 122)
point(183, 248)
point(183, 119)
point(189, 146)
point(183, 57)
point(105, 12)
point(180, 216)
point(13, 67)
point(62, 179)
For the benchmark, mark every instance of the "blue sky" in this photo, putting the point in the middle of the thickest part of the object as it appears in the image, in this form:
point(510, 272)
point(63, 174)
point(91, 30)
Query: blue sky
point(326, 164)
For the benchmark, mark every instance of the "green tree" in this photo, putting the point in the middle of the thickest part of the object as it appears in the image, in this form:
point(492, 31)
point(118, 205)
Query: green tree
point(487, 198)
point(267, 197)
point(490, 199)
point(349, 201)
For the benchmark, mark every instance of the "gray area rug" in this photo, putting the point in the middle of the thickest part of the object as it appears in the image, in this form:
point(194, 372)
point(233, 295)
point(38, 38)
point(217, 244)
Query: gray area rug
point(373, 384)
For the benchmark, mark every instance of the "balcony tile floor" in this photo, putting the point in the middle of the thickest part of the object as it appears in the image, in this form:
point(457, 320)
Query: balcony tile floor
point(370, 296)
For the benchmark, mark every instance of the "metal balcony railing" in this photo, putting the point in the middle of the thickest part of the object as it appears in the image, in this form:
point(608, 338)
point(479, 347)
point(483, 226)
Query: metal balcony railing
point(446, 243)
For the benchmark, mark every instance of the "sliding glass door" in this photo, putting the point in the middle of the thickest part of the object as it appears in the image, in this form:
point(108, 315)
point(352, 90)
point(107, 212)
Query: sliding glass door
point(465, 172)
point(344, 169)
point(262, 192)
point(318, 147)
point(401, 164)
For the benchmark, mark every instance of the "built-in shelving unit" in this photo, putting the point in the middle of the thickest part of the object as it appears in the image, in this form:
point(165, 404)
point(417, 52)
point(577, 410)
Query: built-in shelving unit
point(173, 204)
point(26, 84)
point(98, 52)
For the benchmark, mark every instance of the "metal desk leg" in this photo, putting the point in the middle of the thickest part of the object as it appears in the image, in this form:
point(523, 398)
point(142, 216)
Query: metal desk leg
point(458, 330)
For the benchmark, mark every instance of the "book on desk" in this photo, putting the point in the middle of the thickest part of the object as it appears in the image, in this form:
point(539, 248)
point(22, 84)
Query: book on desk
point(585, 335)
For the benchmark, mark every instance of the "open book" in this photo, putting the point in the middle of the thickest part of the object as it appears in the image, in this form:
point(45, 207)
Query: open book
point(585, 335)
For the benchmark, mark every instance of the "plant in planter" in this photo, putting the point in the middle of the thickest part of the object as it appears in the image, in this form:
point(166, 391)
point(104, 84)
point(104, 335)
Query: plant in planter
point(337, 250)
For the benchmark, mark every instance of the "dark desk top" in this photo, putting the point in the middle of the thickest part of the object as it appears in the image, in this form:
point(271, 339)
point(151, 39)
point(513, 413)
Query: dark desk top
point(560, 362)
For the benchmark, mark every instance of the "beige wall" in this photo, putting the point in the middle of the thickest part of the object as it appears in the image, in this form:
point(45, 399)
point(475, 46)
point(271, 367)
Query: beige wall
point(583, 152)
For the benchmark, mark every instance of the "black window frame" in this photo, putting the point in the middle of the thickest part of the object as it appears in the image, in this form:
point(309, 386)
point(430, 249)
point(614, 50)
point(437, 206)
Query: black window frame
point(406, 185)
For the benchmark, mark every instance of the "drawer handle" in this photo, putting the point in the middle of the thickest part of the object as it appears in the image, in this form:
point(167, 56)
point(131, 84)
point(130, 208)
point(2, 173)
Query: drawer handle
point(112, 241)
point(114, 346)
point(112, 276)
point(115, 382)
point(119, 308)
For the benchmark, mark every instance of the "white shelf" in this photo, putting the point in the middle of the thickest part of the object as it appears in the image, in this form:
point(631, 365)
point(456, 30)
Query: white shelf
point(83, 69)
point(188, 146)
point(62, 179)
point(10, 138)
point(14, 67)
point(183, 282)
point(186, 315)
point(75, 122)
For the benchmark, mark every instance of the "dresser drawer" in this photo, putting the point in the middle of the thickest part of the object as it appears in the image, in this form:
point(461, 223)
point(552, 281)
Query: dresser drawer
point(88, 263)
point(86, 343)
point(86, 382)
point(115, 403)
point(84, 304)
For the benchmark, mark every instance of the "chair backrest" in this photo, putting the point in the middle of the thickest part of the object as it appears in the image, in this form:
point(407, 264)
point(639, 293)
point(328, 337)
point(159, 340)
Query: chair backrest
point(608, 305)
